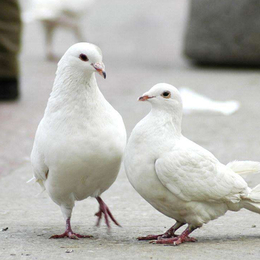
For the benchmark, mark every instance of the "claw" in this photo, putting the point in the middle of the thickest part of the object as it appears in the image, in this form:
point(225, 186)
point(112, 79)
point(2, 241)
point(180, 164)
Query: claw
point(175, 241)
point(150, 237)
point(69, 233)
point(168, 234)
point(104, 210)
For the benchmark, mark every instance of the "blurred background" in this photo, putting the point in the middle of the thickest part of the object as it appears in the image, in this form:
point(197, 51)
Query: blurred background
point(144, 42)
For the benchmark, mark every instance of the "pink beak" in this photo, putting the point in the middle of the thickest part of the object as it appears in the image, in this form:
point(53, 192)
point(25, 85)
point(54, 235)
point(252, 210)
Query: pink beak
point(144, 98)
point(100, 68)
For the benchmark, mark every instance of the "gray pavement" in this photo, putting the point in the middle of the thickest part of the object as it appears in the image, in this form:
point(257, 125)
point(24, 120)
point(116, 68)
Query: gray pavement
point(142, 45)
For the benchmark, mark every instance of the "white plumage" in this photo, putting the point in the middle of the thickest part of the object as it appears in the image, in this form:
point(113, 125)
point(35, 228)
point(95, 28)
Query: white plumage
point(80, 140)
point(178, 177)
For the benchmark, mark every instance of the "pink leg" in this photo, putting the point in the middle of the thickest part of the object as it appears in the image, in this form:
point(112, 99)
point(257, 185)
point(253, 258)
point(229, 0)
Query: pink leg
point(103, 209)
point(184, 237)
point(169, 233)
point(69, 233)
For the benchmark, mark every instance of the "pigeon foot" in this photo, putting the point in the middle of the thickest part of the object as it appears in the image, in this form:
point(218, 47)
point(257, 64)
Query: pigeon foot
point(69, 233)
point(104, 210)
point(155, 237)
point(170, 233)
point(175, 241)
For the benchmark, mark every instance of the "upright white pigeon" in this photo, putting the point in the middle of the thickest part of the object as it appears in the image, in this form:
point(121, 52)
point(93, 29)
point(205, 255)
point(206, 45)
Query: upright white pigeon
point(179, 178)
point(80, 141)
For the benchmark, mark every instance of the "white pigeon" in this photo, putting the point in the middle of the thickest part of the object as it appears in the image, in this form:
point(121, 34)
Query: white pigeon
point(58, 13)
point(80, 141)
point(178, 177)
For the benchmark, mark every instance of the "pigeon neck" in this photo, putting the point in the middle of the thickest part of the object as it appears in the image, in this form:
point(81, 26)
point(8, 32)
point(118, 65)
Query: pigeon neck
point(72, 89)
point(72, 82)
point(168, 119)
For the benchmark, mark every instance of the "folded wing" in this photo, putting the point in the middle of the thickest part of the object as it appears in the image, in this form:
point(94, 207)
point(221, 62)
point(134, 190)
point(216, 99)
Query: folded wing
point(194, 174)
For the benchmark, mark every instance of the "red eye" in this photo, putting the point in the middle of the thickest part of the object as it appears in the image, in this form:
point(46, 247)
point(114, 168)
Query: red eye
point(83, 57)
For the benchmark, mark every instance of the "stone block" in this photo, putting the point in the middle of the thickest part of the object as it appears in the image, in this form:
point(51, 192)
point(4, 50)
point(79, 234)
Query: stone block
point(224, 32)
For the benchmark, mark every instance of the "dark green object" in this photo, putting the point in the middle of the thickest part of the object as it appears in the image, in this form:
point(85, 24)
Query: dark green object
point(10, 42)
point(9, 88)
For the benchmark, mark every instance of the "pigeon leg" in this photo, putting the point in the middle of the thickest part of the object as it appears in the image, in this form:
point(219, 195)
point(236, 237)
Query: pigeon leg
point(184, 237)
point(49, 28)
point(169, 233)
point(69, 233)
point(103, 209)
point(78, 33)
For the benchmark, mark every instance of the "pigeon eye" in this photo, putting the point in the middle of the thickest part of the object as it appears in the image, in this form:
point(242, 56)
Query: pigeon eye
point(166, 94)
point(83, 57)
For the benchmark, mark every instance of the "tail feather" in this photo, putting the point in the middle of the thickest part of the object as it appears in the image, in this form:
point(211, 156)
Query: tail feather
point(32, 179)
point(244, 167)
point(255, 207)
point(254, 195)
point(41, 184)
point(252, 201)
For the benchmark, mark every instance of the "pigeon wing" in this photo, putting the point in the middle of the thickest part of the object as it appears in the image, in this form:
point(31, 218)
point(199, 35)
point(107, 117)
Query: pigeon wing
point(40, 169)
point(194, 174)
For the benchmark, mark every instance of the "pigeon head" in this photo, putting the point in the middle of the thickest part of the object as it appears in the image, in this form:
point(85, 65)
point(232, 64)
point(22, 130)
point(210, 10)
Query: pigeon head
point(163, 96)
point(83, 57)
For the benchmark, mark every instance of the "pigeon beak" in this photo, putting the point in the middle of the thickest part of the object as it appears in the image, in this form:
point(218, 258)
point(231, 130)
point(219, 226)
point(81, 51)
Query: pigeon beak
point(144, 98)
point(100, 68)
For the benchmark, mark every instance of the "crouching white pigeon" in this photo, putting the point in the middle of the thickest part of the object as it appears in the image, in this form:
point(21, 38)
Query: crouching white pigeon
point(80, 141)
point(178, 177)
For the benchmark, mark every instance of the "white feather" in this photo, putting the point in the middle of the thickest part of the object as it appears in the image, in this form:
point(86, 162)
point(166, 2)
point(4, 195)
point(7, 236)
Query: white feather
point(244, 167)
point(32, 179)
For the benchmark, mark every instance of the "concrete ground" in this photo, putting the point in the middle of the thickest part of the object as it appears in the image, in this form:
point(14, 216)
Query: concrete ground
point(141, 43)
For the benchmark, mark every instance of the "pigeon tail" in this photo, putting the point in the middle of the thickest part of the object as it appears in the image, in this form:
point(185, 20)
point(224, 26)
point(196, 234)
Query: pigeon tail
point(32, 179)
point(254, 195)
point(244, 167)
point(252, 202)
point(41, 184)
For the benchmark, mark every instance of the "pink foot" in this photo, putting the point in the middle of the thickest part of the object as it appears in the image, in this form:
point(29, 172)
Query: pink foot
point(168, 234)
point(184, 237)
point(104, 210)
point(174, 240)
point(158, 237)
point(69, 233)
point(151, 237)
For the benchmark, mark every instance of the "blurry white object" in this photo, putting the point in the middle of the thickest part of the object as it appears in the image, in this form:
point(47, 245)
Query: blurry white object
point(195, 101)
point(58, 13)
